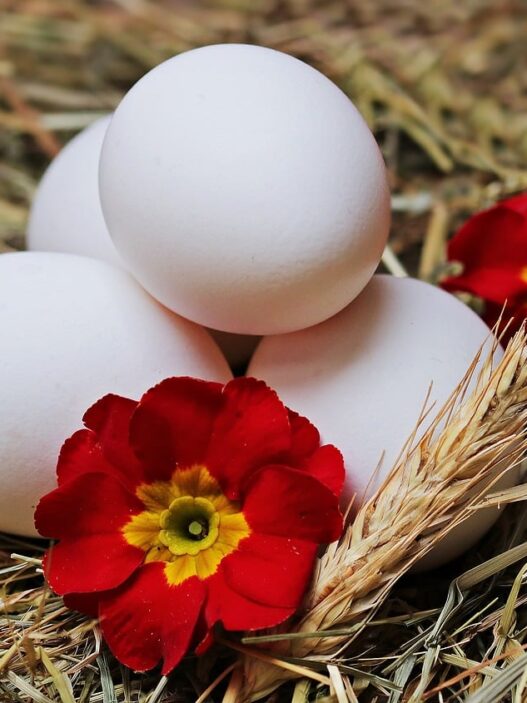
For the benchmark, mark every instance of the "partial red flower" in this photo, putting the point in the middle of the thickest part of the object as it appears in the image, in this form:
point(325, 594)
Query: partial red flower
point(492, 248)
point(199, 504)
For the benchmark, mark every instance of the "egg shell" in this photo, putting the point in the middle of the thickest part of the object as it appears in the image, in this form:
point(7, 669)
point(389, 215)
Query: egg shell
point(66, 217)
point(73, 330)
point(66, 213)
point(362, 378)
point(244, 190)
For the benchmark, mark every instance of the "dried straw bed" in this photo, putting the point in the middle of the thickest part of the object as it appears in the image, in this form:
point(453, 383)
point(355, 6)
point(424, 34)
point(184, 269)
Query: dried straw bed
point(444, 86)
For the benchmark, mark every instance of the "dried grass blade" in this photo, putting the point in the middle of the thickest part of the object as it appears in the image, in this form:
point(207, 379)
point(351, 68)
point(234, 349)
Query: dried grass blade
point(301, 692)
point(26, 688)
point(203, 697)
point(8, 655)
point(108, 689)
point(61, 681)
point(402, 674)
point(482, 667)
point(280, 663)
point(515, 494)
point(156, 694)
point(337, 683)
point(495, 690)
point(491, 567)
point(507, 617)
point(233, 689)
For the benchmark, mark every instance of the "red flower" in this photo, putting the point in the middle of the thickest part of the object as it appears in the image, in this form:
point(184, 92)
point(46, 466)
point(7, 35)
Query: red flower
point(200, 504)
point(492, 248)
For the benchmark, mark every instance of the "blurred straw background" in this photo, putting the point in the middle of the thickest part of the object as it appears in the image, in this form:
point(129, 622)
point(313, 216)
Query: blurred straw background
point(443, 84)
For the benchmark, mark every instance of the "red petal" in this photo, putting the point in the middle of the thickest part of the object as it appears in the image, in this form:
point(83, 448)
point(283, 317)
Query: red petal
point(494, 238)
point(90, 504)
point(518, 204)
point(205, 641)
point(110, 418)
point(173, 423)
point(147, 620)
point(492, 246)
point(510, 319)
point(493, 284)
point(85, 603)
point(292, 504)
point(305, 439)
point(269, 570)
point(91, 563)
point(237, 612)
point(327, 465)
point(251, 430)
point(82, 454)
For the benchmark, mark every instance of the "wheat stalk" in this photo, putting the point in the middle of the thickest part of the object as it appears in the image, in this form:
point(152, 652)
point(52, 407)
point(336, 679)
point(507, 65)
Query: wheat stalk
point(476, 437)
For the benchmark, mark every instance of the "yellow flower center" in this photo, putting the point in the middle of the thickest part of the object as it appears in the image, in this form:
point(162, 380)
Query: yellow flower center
point(523, 274)
point(187, 523)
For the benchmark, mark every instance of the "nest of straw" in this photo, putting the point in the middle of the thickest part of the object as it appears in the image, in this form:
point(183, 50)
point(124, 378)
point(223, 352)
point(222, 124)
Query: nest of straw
point(443, 86)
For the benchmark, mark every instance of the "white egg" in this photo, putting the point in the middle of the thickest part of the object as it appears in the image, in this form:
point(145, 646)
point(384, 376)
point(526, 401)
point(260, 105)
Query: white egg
point(66, 213)
point(66, 217)
point(244, 190)
point(362, 378)
point(74, 329)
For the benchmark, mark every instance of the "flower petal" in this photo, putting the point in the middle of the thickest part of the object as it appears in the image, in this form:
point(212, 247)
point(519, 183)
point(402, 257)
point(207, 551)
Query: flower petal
point(172, 424)
point(327, 466)
point(85, 603)
point(517, 203)
point(251, 430)
point(271, 571)
point(204, 637)
point(493, 284)
point(81, 454)
point(492, 246)
point(292, 504)
point(147, 620)
point(91, 563)
point(493, 238)
point(236, 612)
point(110, 418)
point(305, 439)
point(510, 318)
point(91, 504)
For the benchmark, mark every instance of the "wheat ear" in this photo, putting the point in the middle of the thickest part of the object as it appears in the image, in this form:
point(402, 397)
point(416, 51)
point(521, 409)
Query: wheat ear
point(477, 436)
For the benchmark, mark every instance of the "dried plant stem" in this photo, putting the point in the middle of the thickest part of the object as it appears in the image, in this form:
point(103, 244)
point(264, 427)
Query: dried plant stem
point(47, 141)
point(206, 693)
point(294, 669)
point(477, 436)
point(433, 253)
point(233, 689)
point(392, 263)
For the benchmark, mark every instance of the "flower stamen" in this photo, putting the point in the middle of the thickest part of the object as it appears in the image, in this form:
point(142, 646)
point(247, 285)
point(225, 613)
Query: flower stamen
point(188, 523)
point(198, 529)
